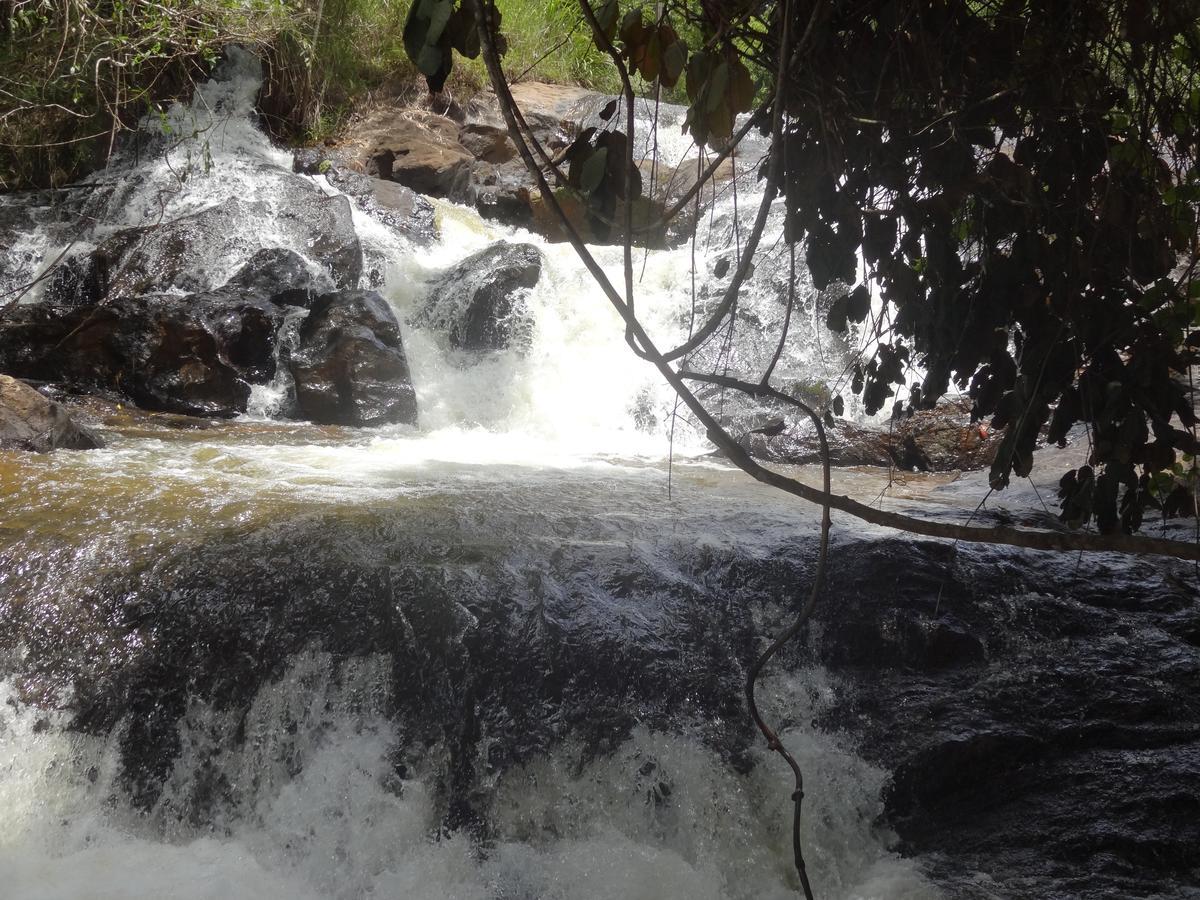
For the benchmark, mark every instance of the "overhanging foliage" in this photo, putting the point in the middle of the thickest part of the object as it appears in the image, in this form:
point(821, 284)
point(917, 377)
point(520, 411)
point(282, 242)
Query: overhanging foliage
point(1015, 179)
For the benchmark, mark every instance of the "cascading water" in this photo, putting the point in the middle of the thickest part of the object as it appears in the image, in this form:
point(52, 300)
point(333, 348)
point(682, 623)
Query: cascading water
point(486, 657)
point(301, 791)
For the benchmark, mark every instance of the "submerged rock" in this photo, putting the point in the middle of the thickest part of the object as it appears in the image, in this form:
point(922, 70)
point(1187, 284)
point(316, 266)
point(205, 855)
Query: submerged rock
point(479, 304)
point(29, 421)
point(350, 367)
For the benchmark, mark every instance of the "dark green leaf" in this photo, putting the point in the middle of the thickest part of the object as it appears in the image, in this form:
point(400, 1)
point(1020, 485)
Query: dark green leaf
point(591, 176)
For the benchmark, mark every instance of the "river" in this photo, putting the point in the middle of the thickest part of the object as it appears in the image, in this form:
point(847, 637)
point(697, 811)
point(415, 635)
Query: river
point(495, 655)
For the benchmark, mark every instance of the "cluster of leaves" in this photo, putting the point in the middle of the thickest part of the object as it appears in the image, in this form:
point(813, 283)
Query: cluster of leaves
point(597, 166)
point(435, 28)
point(719, 88)
point(652, 49)
point(1019, 179)
point(718, 82)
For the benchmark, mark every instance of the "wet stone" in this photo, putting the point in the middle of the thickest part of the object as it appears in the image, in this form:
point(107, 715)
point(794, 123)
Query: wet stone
point(349, 366)
point(30, 421)
point(479, 304)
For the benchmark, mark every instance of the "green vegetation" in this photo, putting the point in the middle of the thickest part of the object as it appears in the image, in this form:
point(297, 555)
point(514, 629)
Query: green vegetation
point(74, 74)
point(548, 41)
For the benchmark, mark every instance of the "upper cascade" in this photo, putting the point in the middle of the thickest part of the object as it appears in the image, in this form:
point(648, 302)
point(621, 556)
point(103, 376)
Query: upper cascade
point(199, 191)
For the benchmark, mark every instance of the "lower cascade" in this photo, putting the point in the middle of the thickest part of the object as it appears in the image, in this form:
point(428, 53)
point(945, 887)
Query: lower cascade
point(413, 583)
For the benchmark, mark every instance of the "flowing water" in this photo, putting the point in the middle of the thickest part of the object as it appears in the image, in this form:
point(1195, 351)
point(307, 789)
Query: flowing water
point(497, 655)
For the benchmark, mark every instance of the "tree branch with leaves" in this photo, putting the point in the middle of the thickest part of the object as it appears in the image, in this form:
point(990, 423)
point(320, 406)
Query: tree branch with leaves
point(1014, 182)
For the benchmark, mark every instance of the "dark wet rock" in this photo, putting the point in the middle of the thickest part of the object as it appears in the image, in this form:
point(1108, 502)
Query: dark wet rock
point(349, 366)
point(939, 440)
point(30, 421)
point(1040, 716)
point(196, 355)
point(78, 280)
point(324, 227)
point(479, 304)
point(482, 654)
point(396, 206)
point(1036, 713)
point(184, 253)
point(177, 254)
point(281, 276)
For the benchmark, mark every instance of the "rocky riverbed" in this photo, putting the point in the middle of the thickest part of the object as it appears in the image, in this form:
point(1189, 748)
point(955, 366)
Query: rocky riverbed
point(380, 568)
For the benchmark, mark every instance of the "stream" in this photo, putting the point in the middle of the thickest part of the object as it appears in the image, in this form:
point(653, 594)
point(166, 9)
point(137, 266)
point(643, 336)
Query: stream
point(501, 653)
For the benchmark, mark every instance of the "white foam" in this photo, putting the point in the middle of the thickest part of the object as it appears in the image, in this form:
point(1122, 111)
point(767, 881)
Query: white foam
point(316, 809)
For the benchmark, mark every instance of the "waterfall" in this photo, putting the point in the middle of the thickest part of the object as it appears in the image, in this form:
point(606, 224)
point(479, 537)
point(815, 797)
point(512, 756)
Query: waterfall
point(321, 809)
point(576, 390)
point(317, 783)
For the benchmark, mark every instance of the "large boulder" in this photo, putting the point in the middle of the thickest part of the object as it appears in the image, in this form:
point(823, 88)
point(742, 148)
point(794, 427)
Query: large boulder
point(29, 421)
point(196, 354)
point(479, 304)
point(349, 366)
point(191, 253)
point(417, 148)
